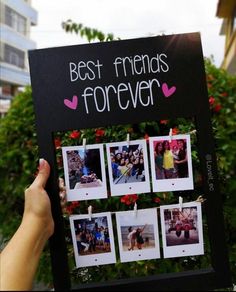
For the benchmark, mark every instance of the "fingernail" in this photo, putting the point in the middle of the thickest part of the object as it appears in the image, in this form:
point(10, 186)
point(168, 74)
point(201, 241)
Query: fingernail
point(41, 163)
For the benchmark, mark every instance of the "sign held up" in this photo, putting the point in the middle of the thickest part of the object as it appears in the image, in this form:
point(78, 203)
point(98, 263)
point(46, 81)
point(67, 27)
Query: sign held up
point(123, 82)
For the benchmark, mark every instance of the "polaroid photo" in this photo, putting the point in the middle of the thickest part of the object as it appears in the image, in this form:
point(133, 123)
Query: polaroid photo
point(182, 232)
point(93, 239)
point(171, 163)
point(128, 167)
point(84, 170)
point(138, 235)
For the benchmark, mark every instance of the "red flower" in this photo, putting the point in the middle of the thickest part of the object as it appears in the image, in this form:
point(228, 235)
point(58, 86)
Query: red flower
point(129, 199)
point(217, 108)
point(211, 100)
point(175, 131)
point(98, 139)
point(157, 200)
point(99, 133)
point(224, 94)
point(57, 143)
point(71, 207)
point(164, 122)
point(74, 134)
point(209, 85)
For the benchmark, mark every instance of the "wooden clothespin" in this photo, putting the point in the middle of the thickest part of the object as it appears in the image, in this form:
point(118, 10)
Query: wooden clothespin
point(180, 204)
point(193, 132)
point(200, 199)
point(170, 135)
point(90, 212)
point(135, 210)
point(84, 143)
point(128, 139)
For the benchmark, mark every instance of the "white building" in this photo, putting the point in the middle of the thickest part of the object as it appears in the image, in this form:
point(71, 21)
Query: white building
point(226, 9)
point(16, 18)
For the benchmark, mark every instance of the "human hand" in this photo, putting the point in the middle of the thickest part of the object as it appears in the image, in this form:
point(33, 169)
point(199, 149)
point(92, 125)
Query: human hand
point(20, 258)
point(37, 203)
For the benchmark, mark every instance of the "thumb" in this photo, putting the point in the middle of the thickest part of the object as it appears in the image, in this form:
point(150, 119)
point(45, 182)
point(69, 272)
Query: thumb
point(43, 174)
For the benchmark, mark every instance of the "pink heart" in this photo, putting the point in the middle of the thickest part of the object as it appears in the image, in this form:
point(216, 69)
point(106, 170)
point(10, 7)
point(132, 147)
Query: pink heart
point(168, 91)
point(71, 104)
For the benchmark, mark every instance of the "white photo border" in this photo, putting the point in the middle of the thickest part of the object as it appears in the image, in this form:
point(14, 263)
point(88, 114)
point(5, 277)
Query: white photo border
point(88, 193)
point(129, 187)
point(142, 217)
point(93, 259)
point(183, 250)
point(171, 184)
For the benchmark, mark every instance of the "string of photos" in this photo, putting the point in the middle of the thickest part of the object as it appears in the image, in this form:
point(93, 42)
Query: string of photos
point(138, 235)
point(128, 171)
point(128, 167)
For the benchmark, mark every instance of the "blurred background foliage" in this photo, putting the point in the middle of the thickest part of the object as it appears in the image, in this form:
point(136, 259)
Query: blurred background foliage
point(19, 160)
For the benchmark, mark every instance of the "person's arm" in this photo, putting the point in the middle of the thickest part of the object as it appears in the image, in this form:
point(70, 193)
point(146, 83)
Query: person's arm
point(19, 259)
point(143, 227)
point(183, 160)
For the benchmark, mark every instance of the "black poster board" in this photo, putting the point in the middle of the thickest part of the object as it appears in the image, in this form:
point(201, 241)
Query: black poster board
point(102, 84)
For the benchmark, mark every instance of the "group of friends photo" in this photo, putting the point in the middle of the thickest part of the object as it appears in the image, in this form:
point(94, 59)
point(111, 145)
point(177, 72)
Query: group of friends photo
point(171, 160)
point(92, 236)
point(92, 239)
point(127, 163)
point(182, 229)
point(171, 163)
point(137, 234)
point(128, 167)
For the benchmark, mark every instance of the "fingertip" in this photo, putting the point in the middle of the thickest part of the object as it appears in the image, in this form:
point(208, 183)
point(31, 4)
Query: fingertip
point(43, 173)
point(41, 162)
point(44, 165)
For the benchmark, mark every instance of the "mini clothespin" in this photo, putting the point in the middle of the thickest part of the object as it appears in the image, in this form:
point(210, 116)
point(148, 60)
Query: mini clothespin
point(193, 132)
point(128, 139)
point(170, 135)
point(180, 204)
point(84, 143)
point(90, 212)
point(135, 209)
point(200, 199)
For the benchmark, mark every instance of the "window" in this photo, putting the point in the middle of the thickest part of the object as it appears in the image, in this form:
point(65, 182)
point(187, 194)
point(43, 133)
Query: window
point(14, 56)
point(15, 20)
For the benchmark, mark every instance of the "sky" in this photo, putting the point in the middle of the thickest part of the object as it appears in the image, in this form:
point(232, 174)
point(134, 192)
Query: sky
point(129, 19)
